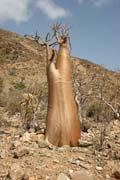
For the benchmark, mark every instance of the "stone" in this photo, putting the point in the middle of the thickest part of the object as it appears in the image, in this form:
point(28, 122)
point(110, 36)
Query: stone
point(85, 165)
point(74, 149)
point(2, 155)
point(2, 132)
point(107, 176)
point(33, 137)
point(40, 137)
point(70, 171)
point(98, 168)
point(31, 130)
point(42, 131)
point(47, 177)
point(77, 162)
point(16, 172)
point(15, 144)
point(55, 161)
point(22, 151)
point(81, 158)
point(26, 137)
point(31, 178)
point(62, 177)
point(64, 148)
point(82, 175)
point(42, 144)
point(82, 143)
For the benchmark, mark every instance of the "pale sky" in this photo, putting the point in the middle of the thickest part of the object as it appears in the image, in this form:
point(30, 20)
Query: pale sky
point(95, 24)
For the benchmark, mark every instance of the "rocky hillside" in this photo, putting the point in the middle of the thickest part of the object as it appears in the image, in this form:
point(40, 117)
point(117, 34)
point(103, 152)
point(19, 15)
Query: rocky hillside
point(23, 70)
point(24, 155)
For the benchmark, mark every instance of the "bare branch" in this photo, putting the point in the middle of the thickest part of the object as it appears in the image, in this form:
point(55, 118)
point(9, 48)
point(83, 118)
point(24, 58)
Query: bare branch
point(115, 110)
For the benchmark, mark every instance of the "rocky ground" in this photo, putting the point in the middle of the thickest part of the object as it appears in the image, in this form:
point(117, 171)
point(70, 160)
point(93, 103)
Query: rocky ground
point(24, 155)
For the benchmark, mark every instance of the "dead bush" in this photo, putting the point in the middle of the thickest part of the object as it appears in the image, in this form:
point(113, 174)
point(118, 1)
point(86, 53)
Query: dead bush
point(33, 105)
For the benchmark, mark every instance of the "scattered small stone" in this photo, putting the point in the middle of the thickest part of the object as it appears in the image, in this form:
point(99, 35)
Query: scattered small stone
point(82, 175)
point(64, 148)
point(3, 132)
point(67, 147)
point(2, 155)
point(62, 177)
point(61, 149)
point(107, 176)
point(82, 143)
point(35, 145)
point(47, 177)
point(56, 161)
point(51, 147)
point(22, 151)
point(81, 158)
point(15, 144)
point(33, 137)
point(31, 178)
point(75, 149)
point(98, 168)
point(84, 165)
point(31, 130)
point(26, 137)
point(16, 173)
point(44, 155)
point(77, 162)
point(41, 130)
point(40, 136)
point(42, 144)
point(70, 171)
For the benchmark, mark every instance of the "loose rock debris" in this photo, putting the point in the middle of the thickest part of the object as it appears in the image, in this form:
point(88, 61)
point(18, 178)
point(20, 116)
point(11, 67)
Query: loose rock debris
point(26, 156)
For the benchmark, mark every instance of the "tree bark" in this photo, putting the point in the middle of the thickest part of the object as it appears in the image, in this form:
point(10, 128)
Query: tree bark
point(62, 123)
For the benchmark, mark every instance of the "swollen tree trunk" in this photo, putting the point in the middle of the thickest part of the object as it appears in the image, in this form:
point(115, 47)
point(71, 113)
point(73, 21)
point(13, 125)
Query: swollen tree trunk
point(62, 124)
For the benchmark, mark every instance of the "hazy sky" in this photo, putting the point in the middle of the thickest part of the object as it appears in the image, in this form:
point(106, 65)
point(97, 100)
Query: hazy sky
point(95, 24)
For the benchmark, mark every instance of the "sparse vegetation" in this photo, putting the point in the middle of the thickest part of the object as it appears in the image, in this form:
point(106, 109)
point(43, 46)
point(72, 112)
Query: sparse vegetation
point(92, 79)
point(30, 105)
point(19, 86)
point(94, 110)
point(23, 74)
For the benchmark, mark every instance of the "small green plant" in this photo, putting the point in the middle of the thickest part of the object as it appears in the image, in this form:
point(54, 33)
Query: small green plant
point(20, 86)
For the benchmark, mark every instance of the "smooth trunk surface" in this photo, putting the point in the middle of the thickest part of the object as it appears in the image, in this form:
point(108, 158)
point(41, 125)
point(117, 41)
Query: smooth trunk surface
point(63, 125)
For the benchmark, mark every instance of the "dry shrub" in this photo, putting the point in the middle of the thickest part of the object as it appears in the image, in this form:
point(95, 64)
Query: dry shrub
point(94, 110)
point(33, 105)
point(11, 101)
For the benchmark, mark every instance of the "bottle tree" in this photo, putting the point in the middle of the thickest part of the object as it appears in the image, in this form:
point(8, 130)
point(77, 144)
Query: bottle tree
point(62, 122)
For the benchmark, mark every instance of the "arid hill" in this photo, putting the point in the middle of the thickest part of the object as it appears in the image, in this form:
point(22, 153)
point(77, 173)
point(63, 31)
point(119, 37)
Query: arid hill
point(23, 69)
point(23, 105)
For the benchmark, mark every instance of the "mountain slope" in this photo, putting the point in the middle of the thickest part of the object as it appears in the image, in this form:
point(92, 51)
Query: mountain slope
point(23, 67)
